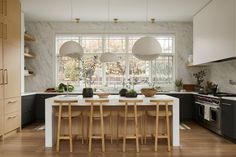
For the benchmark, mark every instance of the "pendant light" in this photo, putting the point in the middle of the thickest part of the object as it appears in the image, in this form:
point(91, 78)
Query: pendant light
point(146, 48)
point(71, 48)
point(108, 56)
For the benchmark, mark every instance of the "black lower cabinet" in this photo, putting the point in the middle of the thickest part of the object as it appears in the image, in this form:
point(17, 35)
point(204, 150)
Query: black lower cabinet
point(186, 104)
point(40, 106)
point(228, 119)
point(27, 109)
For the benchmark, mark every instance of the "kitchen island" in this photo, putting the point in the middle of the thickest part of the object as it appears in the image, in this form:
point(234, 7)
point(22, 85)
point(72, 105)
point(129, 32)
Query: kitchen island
point(113, 106)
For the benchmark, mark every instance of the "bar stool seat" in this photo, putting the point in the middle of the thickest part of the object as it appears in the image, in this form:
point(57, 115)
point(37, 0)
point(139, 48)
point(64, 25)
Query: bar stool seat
point(66, 115)
point(161, 113)
point(96, 114)
point(130, 114)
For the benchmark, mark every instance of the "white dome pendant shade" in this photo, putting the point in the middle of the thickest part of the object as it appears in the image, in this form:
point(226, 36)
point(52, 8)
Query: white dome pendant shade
point(146, 48)
point(108, 57)
point(71, 49)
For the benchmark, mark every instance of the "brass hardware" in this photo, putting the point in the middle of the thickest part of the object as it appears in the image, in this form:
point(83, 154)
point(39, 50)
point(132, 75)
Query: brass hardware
point(153, 20)
point(6, 72)
point(11, 117)
point(77, 20)
point(115, 20)
point(2, 83)
point(11, 102)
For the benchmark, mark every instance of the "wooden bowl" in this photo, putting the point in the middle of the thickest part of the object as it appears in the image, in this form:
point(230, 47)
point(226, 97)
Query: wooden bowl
point(148, 92)
point(103, 95)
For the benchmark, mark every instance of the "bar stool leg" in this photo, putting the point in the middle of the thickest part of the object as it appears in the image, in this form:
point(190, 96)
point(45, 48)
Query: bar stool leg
point(168, 128)
point(59, 128)
point(125, 129)
point(117, 129)
point(157, 127)
point(145, 134)
point(136, 128)
point(141, 130)
point(111, 127)
point(102, 129)
point(90, 128)
point(82, 127)
point(70, 129)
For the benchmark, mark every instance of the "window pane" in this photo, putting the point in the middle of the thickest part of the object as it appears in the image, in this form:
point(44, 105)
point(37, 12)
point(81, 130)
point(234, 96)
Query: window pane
point(115, 44)
point(92, 44)
point(115, 72)
point(163, 69)
point(166, 44)
point(93, 69)
point(139, 69)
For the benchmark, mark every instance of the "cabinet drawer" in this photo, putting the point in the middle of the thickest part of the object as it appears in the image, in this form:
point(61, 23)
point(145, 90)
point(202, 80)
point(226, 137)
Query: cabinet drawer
point(12, 122)
point(12, 105)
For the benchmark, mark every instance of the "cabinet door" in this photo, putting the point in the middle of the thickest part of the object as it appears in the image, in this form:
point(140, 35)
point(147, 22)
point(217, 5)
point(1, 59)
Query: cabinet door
point(227, 118)
point(1, 117)
point(1, 60)
point(12, 70)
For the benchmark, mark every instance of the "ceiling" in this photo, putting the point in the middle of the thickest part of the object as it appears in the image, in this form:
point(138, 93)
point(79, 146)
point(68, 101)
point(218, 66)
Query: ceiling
point(124, 10)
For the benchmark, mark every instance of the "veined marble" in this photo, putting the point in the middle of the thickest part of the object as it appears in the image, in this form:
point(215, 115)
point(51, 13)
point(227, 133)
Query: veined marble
point(44, 47)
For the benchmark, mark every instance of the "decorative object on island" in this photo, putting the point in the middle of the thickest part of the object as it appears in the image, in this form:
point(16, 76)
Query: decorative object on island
point(87, 72)
point(148, 92)
point(103, 95)
point(179, 84)
point(147, 48)
point(211, 87)
point(123, 92)
point(131, 94)
point(65, 88)
point(200, 79)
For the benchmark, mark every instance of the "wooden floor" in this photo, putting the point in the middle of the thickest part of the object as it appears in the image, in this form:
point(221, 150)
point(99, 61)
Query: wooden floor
point(197, 142)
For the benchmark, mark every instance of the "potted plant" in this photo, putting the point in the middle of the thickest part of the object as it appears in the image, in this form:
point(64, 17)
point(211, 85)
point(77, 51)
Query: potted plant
point(200, 79)
point(87, 71)
point(131, 94)
point(179, 84)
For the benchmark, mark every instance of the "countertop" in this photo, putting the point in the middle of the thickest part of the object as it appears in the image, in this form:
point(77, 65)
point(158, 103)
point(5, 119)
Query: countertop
point(229, 98)
point(112, 93)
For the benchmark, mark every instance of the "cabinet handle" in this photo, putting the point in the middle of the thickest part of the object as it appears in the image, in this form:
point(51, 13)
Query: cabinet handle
point(2, 83)
point(4, 7)
point(4, 31)
point(226, 104)
point(6, 76)
point(11, 102)
point(11, 117)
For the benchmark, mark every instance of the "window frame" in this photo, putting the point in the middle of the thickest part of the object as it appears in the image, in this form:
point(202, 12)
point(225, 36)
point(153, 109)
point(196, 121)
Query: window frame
point(129, 55)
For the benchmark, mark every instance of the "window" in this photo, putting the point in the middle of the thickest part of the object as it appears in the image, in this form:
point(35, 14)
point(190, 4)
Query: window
point(160, 70)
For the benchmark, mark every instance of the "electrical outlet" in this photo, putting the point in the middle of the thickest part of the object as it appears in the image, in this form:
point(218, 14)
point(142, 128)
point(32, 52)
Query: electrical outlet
point(232, 82)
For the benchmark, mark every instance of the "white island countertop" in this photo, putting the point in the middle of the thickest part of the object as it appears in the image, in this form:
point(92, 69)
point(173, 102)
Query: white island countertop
point(50, 121)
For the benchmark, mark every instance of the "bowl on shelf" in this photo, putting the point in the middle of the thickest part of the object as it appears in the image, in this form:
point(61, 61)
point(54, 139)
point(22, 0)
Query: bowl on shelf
point(148, 92)
point(103, 95)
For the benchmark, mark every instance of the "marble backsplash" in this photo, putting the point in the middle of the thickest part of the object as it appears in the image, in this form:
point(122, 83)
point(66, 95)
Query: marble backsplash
point(44, 47)
point(221, 73)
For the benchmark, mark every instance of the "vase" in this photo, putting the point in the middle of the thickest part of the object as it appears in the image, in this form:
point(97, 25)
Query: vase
point(123, 92)
point(87, 92)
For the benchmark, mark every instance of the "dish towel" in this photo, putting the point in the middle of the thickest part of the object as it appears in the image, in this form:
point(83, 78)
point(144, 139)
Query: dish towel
point(207, 112)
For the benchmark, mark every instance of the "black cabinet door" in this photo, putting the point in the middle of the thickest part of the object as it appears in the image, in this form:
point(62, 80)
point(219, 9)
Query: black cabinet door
point(40, 106)
point(228, 111)
point(27, 109)
point(186, 102)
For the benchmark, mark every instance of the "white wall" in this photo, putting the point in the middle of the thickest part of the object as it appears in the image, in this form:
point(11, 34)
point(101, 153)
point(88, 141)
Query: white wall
point(44, 47)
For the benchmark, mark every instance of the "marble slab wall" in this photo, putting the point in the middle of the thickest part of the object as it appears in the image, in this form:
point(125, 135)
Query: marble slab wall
point(44, 47)
point(221, 73)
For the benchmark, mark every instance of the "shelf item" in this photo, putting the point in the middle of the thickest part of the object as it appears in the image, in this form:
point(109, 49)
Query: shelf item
point(191, 65)
point(29, 37)
point(28, 55)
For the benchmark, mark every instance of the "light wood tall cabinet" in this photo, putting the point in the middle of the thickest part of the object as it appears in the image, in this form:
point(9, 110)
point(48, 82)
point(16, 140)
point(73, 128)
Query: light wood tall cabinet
point(10, 46)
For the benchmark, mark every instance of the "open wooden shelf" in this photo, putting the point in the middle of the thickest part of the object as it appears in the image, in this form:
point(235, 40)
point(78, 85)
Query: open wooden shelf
point(28, 75)
point(29, 37)
point(28, 55)
point(191, 65)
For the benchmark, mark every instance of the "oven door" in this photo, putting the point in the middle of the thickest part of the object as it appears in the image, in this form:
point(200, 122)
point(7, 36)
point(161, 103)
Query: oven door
point(215, 116)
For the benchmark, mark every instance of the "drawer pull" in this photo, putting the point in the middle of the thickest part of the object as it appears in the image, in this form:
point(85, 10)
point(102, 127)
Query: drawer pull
point(11, 102)
point(226, 104)
point(11, 117)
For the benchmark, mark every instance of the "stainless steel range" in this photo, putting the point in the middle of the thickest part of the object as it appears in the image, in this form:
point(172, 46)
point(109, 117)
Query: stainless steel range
point(208, 112)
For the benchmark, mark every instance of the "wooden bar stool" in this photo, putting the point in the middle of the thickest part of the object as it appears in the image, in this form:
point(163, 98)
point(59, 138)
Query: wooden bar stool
point(161, 113)
point(98, 115)
point(65, 114)
point(130, 115)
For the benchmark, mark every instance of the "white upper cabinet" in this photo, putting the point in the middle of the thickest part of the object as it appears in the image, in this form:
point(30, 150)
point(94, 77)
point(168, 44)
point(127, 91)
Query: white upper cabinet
point(214, 32)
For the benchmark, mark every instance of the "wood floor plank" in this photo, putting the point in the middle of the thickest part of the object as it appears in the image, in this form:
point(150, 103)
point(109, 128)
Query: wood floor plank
point(197, 142)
